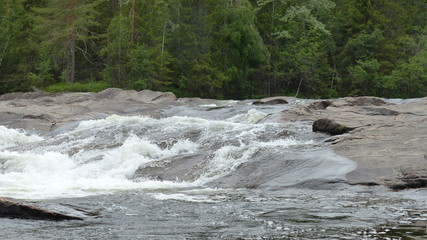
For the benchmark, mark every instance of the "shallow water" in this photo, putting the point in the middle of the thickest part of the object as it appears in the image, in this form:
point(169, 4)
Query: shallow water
point(217, 170)
point(357, 213)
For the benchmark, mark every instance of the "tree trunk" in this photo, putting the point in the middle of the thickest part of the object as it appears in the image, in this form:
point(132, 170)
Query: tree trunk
point(72, 61)
point(299, 86)
point(133, 22)
point(163, 41)
point(71, 45)
point(4, 50)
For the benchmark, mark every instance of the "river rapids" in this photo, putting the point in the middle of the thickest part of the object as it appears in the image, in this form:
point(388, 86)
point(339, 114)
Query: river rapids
point(222, 170)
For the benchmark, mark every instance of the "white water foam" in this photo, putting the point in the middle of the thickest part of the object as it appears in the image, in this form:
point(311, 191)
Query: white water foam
point(79, 165)
point(52, 175)
point(183, 197)
point(12, 137)
point(253, 116)
point(228, 158)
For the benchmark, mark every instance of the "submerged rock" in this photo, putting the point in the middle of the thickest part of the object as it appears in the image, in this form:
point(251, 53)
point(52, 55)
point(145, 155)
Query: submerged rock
point(12, 209)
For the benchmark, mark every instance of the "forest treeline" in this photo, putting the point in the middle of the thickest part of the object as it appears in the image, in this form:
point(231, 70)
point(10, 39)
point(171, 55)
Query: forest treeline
point(217, 48)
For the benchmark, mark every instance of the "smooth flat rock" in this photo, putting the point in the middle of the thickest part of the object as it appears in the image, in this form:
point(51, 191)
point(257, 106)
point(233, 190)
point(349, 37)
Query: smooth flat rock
point(387, 142)
point(48, 111)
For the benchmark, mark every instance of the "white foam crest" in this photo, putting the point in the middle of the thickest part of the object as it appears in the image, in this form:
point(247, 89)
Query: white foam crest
point(49, 162)
point(52, 175)
point(12, 137)
point(182, 197)
point(183, 146)
point(208, 105)
point(251, 117)
point(92, 164)
point(171, 124)
point(122, 162)
point(112, 120)
point(34, 175)
point(228, 158)
point(287, 142)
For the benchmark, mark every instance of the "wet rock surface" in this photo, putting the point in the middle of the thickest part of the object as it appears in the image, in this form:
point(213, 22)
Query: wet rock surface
point(387, 139)
point(10, 208)
point(270, 101)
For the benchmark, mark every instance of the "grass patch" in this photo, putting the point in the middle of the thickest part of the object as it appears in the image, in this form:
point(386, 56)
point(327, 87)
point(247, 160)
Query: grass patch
point(77, 87)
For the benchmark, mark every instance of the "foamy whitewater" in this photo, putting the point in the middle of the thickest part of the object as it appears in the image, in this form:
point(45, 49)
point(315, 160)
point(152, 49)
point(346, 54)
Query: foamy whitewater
point(222, 170)
point(102, 156)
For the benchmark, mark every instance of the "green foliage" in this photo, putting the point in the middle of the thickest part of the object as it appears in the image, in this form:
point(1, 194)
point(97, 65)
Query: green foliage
point(217, 48)
point(410, 78)
point(148, 68)
point(42, 75)
point(77, 87)
point(116, 50)
point(64, 27)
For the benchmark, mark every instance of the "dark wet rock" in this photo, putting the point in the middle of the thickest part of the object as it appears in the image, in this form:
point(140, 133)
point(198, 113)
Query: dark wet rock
point(381, 111)
point(412, 179)
point(270, 101)
point(41, 116)
point(329, 126)
point(320, 105)
point(13, 209)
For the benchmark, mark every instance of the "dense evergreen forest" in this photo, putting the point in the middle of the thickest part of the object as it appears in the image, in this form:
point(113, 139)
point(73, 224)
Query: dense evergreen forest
point(217, 48)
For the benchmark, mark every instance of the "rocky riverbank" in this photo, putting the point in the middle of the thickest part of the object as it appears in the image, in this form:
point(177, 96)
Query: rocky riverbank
point(48, 111)
point(386, 138)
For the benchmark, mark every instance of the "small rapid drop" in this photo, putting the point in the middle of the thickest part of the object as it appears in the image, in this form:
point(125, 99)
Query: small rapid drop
point(137, 152)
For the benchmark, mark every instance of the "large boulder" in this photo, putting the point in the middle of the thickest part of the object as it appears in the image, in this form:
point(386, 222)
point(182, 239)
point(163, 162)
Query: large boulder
point(329, 126)
point(12, 209)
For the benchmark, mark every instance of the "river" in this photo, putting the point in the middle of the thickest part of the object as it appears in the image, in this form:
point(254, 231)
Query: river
point(217, 170)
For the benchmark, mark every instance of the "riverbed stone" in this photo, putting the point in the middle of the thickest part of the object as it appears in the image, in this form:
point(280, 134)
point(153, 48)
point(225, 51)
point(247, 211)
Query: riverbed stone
point(10, 208)
point(329, 126)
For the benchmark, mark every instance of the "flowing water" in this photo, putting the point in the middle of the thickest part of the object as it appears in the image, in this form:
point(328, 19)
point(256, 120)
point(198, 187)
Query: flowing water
point(219, 170)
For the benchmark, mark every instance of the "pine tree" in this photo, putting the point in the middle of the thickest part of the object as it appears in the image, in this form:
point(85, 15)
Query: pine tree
point(299, 42)
point(65, 28)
